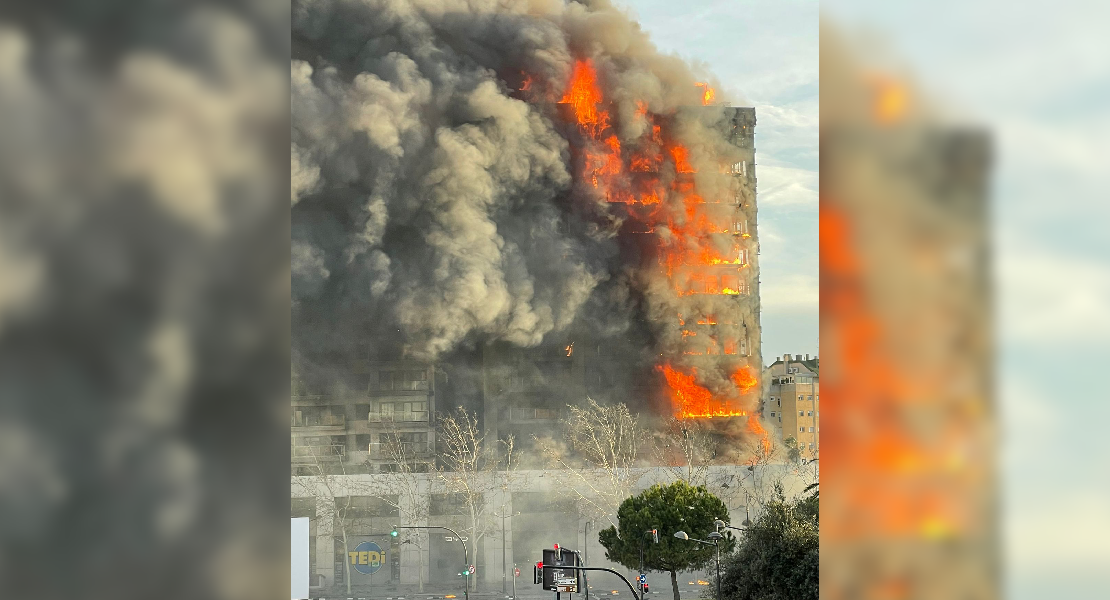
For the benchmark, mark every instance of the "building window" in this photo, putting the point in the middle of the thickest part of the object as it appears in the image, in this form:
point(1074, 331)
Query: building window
point(772, 413)
point(811, 430)
point(809, 397)
point(809, 413)
point(801, 430)
point(780, 402)
point(811, 445)
point(801, 413)
point(402, 380)
point(800, 398)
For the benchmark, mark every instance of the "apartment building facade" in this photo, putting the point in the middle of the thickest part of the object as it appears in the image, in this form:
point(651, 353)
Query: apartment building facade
point(792, 401)
point(345, 426)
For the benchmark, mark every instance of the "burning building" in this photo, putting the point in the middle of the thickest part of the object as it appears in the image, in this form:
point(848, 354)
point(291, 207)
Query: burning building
point(507, 207)
point(527, 201)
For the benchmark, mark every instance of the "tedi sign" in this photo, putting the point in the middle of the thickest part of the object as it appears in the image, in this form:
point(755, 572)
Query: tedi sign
point(366, 558)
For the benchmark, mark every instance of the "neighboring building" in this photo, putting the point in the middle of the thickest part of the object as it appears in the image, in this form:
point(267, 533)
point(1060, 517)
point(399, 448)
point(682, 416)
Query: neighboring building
point(791, 401)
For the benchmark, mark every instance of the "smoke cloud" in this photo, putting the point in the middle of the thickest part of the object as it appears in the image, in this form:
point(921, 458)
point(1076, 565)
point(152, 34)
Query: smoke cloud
point(446, 193)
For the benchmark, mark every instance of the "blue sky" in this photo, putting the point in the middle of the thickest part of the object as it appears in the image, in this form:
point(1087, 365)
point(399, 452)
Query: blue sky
point(1038, 73)
point(764, 54)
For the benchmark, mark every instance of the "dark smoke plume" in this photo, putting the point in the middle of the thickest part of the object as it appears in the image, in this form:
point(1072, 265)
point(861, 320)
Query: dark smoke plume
point(438, 194)
point(143, 300)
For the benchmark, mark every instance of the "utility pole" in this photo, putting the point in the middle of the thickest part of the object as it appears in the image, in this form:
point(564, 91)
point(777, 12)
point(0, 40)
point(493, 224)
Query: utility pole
point(504, 564)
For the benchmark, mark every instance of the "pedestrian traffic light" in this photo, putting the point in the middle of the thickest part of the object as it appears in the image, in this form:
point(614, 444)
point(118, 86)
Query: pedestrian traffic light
point(393, 533)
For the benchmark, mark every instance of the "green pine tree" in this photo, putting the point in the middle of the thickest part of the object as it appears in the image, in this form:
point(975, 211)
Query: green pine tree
point(668, 509)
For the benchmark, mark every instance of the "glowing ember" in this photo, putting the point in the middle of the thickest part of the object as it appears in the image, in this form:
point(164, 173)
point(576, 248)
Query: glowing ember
point(570, 349)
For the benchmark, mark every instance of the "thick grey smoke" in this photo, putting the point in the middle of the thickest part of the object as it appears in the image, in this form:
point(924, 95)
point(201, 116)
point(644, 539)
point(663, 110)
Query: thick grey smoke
point(438, 192)
point(143, 239)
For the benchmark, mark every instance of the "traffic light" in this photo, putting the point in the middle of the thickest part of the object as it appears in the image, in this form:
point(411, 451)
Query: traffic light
point(655, 535)
point(393, 533)
point(537, 573)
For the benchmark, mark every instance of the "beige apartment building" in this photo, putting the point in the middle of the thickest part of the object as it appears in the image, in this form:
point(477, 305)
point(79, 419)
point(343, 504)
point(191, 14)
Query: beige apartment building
point(791, 401)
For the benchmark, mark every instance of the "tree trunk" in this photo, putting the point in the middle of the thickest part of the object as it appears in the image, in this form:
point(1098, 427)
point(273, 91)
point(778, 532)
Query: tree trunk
point(420, 566)
point(347, 559)
point(674, 584)
point(473, 547)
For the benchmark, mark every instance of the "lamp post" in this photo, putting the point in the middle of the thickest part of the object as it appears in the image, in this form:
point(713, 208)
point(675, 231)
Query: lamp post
point(654, 533)
point(715, 536)
point(586, 553)
point(719, 523)
point(466, 558)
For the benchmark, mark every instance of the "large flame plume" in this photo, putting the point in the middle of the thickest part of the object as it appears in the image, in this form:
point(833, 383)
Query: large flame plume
point(691, 233)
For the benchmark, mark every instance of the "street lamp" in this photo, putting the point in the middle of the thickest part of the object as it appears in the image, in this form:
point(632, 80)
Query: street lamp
point(715, 536)
point(719, 523)
point(654, 533)
point(466, 558)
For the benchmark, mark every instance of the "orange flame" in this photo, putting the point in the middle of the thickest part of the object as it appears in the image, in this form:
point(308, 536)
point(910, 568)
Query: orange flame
point(756, 427)
point(584, 96)
point(692, 401)
point(692, 250)
point(707, 94)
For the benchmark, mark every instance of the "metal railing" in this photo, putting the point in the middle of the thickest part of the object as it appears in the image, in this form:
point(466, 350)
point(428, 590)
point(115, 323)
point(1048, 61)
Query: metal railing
point(532, 414)
point(420, 416)
point(384, 450)
point(323, 452)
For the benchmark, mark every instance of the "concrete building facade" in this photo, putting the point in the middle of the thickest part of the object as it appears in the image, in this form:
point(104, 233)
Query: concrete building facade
point(792, 401)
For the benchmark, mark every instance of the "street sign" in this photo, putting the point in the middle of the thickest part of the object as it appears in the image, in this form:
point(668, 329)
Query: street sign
point(642, 579)
point(561, 580)
point(566, 584)
point(471, 569)
point(516, 572)
point(367, 558)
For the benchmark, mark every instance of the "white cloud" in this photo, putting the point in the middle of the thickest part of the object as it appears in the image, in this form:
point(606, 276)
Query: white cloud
point(791, 292)
point(1074, 531)
point(787, 186)
point(1048, 297)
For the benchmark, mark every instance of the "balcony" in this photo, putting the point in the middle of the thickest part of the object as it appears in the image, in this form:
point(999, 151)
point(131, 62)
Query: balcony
point(519, 415)
point(400, 417)
point(323, 422)
point(408, 449)
point(310, 454)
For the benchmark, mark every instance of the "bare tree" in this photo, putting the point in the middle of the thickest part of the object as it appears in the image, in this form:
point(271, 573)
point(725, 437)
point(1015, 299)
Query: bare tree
point(597, 459)
point(468, 466)
point(404, 489)
point(686, 447)
point(335, 495)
